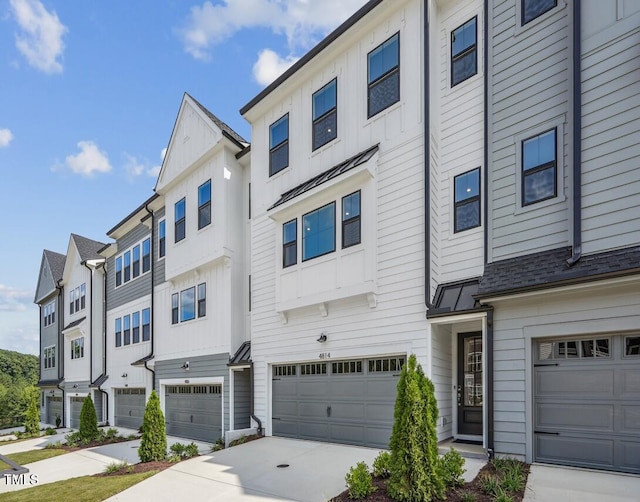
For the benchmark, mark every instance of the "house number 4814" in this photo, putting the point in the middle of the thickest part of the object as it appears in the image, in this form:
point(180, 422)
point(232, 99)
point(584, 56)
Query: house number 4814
point(325, 355)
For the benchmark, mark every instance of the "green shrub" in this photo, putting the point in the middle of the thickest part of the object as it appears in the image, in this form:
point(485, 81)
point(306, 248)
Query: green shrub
point(218, 445)
point(110, 434)
point(240, 440)
point(58, 421)
point(73, 439)
point(191, 450)
point(467, 496)
point(359, 481)
point(32, 412)
point(88, 421)
point(53, 446)
point(490, 485)
point(451, 469)
point(415, 471)
point(116, 467)
point(382, 465)
point(50, 432)
point(154, 438)
point(178, 449)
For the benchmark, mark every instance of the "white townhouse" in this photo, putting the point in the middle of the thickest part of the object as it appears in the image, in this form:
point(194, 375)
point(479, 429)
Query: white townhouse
point(83, 346)
point(134, 268)
point(202, 307)
point(51, 300)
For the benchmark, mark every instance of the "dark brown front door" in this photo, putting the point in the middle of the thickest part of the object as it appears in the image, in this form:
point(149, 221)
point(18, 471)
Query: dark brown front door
point(470, 364)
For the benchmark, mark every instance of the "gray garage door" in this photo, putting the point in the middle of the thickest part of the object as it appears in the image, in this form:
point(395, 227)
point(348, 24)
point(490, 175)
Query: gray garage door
point(76, 408)
point(194, 411)
point(587, 402)
point(54, 408)
point(129, 407)
point(339, 401)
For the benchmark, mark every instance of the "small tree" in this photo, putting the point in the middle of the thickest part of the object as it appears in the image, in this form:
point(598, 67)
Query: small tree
point(154, 438)
point(415, 473)
point(32, 411)
point(88, 420)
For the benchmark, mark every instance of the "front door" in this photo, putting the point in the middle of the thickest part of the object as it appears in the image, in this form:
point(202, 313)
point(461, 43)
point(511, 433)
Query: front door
point(470, 361)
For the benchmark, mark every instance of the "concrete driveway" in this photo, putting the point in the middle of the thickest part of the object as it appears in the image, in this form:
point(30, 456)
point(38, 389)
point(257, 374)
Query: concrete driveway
point(267, 469)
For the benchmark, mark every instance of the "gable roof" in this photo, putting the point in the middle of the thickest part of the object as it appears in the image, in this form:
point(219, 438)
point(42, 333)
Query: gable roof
point(87, 248)
point(56, 263)
point(230, 133)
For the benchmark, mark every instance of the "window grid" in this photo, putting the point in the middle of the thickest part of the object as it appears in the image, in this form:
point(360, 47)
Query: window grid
point(284, 370)
point(324, 104)
point(466, 189)
point(313, 369)
point(49, 314)
point(126, 323)
point(146, 325)
point(204, 204)
point(539, 167)
point(340, 367)
point(279, 145)
point(135, 327)
point(290, 243)
point(77, 348)
point(383, 76)
point(632, 346)
point(180, 220)
point(386, 364)
point(162, 238)
point(118, 331)
point(174, 308)
point(50, 357)
point(351, 231)
point(464, 53)
point(587, 348)
point(202, 299)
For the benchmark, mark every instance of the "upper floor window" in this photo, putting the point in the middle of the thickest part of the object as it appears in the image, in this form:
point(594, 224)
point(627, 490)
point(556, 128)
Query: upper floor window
point(136, 261)
point(174, 308)
point(319, 232)
point(162, 238)
point(118, 271)
point(127, 328)
point(180, 223)
point(464, 53)
point(127, 266)
point(77, 298)
point(146, 255)
point(204, 204)
point(467, 200)
point(135, 327)
point(77, 348)
point(351, 220)
point(187, 304)
point(49, 357)
point(146, 325)
point(279, 145)
point(325, 116)
point(539, 168)
point(49, 313)
point(202, 299)
point(532, 9)
point(118, 332)
point(83, 295)
point(290, 243)
point(126, 323)
point(383, 76)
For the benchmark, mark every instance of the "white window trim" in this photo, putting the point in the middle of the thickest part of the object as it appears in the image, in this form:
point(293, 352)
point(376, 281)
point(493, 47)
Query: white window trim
point(130, 250)
point(542, 18)
point(46, 357)
point(195, 300)
point(73, 340)
point(450, 27)
point(164, 219)
point(557, 123)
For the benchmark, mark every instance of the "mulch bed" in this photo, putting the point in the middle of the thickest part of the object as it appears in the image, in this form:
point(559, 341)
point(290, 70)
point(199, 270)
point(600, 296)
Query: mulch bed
point(138, 468)
point(453, 495)
point(93, 444)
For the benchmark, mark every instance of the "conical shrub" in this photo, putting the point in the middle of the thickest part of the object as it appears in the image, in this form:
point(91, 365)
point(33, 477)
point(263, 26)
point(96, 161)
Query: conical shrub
point(88, 420)
point(153, 446)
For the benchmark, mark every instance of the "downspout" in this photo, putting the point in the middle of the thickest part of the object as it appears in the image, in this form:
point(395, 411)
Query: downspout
point(577, 138)
point(104, 340)
point(60, 354)
point(153, 282)
point(427, 163)
point(251, 413)
point(90, 322)
point(490, 425)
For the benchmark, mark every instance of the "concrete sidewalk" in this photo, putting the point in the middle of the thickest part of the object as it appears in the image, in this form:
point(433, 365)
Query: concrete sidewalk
point(267, 469)
point(550, 483)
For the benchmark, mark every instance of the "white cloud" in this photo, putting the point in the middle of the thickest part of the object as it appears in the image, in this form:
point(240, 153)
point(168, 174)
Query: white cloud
point(303, 22)
point(13, 299)
point(89, 160)
point(5, 137)
point(137, 166)
point(40, 38)
point(270, 66)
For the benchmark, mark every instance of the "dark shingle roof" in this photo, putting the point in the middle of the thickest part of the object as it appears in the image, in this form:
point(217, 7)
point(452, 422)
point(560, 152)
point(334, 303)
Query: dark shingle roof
point(49, 383)
point(549, 269)
point(56, 264)
point(99, 381)
point(73, 324)
point(87, 248)
point(327, 175)
point(455, 298)
point(224, 127)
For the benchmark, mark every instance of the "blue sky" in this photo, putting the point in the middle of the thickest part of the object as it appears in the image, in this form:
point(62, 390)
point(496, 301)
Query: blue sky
point(89, 92)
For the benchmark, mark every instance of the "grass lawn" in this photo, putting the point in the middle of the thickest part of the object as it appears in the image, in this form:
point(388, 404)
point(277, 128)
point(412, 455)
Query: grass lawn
point(27, 457)
point(82, 489)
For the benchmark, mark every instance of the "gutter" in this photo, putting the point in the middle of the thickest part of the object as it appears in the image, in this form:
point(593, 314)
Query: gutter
point(90, 321)
point(489, 358)
point(153, 282)
point(104, 342)
point(577, 139)
point(427, 164)
point(60, 352)
point(251, 412)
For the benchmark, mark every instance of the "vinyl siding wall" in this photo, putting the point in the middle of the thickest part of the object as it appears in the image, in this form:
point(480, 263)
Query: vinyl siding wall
point(241, 399)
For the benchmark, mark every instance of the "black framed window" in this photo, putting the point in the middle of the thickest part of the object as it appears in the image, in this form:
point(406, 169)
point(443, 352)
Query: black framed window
point(126, 322)
point(146, 255)
point(279, 145)
point(539, 168)
point(127, 266)
point(180, 223)
point(466, 188)
point(135, 327)
point(136, 261)
point(325, 115)
point(383, 68)
point(464, 52)
point(146, 325)
point(118, 271)
point(162, 238)
point(204, 204)
point(202, 299)
point(290, 243)
point(319, 232)
point(76, 297)
point(72, 295)
point(188, 304)
point(532, 9)
point(174, 308)
point(83, 296)
point(351, 234)
point(118, 332)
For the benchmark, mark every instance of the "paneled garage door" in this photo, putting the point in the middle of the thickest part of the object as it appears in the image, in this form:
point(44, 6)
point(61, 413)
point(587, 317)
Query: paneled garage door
point(587, 402)
point(339, 401)
point(129, 407)
point(54, 409)
point(194, 411)
point(76, 408)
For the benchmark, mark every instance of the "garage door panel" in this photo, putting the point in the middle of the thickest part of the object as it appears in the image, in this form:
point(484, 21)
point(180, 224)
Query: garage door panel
point(348, 388)
point(313, 430)
point(587, 452)
point(311, 409)
point(285, 408)
point(348, 411)
point(630, 387)
point(569, 416)
point(630, 420)
point(54, 408)
point(348, 433)
point(379, 412)
point(629, 455)
point(580, 382)
point(194, 411)
point(312, 388)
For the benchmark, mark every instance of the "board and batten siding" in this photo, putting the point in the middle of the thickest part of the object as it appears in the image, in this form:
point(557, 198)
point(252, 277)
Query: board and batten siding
point(214, 365)
point(135, 288)
point(530, 83)
point(241, 399)
point(603, 310)
point(610, 125)
point(158, 263)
